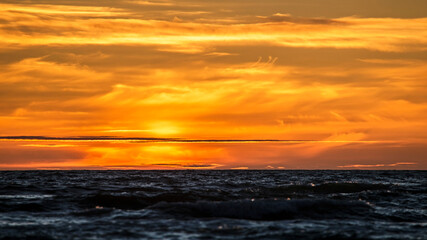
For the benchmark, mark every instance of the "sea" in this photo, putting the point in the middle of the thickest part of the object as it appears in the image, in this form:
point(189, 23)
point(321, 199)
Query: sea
point(213, 204)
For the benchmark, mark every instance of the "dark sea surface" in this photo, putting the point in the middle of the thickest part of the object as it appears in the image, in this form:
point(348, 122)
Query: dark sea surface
point(213, 204)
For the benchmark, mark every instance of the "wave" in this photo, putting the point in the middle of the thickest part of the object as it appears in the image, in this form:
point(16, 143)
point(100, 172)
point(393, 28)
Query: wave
point(268, 209)
point(139, 198)
point(27, 207)
point(94, 212)
point(136, 201)
point(115, 201)
point(26, 196)
point(28, 236)
point(329, 188)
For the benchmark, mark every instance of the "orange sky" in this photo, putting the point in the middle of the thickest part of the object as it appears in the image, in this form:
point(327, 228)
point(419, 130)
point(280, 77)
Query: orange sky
point(347, 77)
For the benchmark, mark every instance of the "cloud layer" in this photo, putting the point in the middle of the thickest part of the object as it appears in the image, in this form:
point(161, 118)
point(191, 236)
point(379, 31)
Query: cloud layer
point(348, 76)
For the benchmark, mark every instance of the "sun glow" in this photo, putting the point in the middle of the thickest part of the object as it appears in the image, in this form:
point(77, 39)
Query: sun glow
point(164, 129)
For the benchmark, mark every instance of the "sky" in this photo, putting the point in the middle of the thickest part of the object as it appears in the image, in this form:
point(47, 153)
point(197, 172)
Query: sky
point(167, 84)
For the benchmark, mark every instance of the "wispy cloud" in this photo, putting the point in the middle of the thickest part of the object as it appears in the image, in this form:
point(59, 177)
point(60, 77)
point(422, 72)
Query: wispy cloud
point(151, 3)
point(49, 145)
point(280, 17)
point(40, 10)
point(377, 165)
point(279, 29)
point(191, 166)
point(240, 168)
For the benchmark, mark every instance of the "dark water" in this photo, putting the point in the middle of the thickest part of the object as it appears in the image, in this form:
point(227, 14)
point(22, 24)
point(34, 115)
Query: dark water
point(213, 205)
